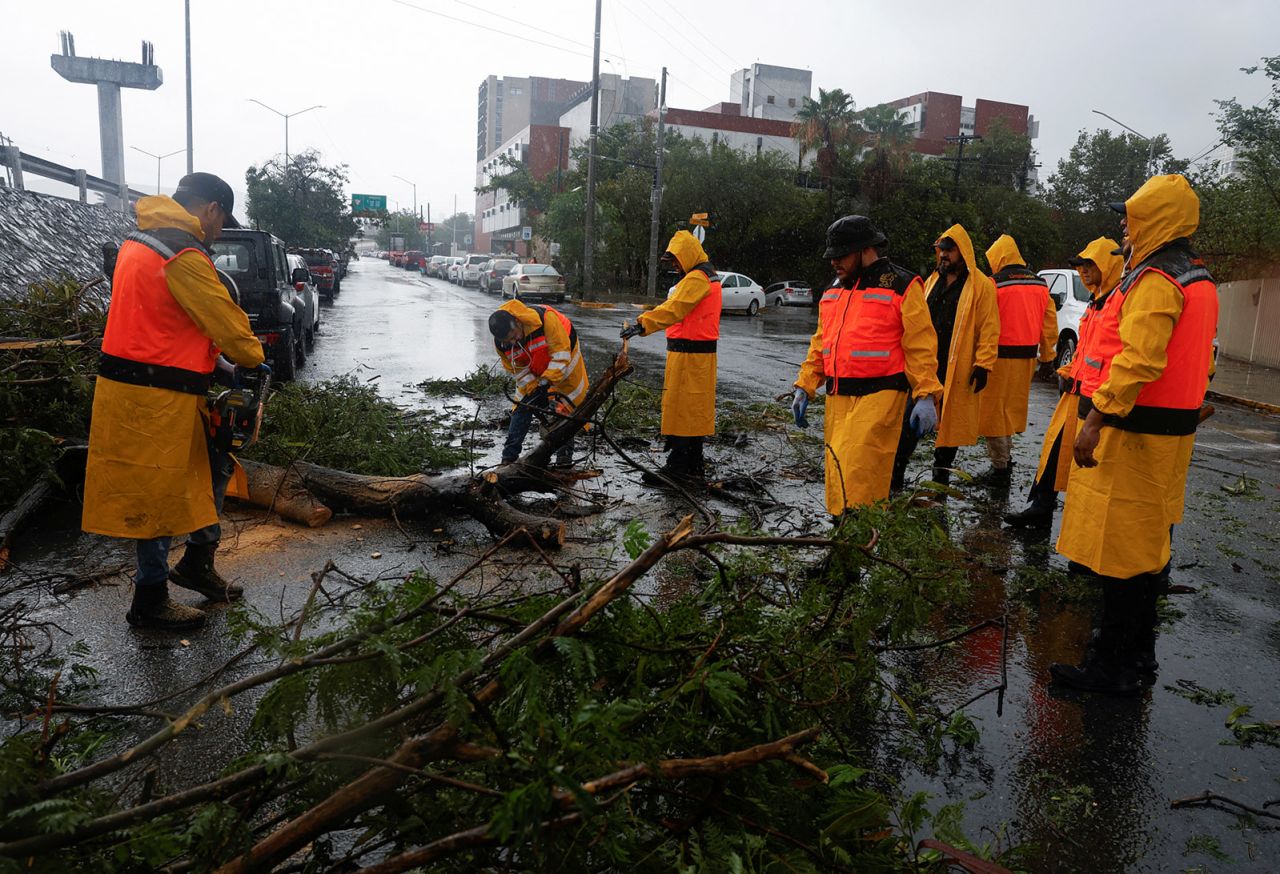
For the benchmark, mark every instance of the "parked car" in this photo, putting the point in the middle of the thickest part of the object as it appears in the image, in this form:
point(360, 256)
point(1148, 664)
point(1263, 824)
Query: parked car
point(411, 259)
point(533, 282)
point(741, 293)
point(1070, 296)
point(791, 292)
point(257, 264)
point(309, 299)
point(454, 270)
point(323, 269)
point(394, 257)
point(469, 274)
point(435, 266)
point(492, 272)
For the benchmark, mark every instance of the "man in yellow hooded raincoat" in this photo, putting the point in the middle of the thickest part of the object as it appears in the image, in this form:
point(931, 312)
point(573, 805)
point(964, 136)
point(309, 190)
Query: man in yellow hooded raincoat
point(1134, 446)
point(874, 350)
point(539, 345)
point(691, 318)
point(962, 307)
point(1028, 323)
point(1100, 266)
point(152, 470)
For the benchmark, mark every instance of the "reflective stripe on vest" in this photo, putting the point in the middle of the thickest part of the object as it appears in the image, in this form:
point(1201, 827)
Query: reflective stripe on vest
point(145, 325)
point(703, 321)
point(862, 330)
point(533, 355)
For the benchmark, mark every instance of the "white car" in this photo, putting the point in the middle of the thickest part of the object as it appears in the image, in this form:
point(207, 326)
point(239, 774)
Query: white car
point(1070, 296)
point(469, 271)
point(792, 292)
point(310, 298)
point(534, 282)
point(453, 272)
point(741, 293)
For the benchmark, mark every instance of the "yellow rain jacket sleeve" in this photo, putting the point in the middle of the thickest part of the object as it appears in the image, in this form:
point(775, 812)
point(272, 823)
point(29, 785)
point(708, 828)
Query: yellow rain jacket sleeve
point(566, 373)
point(147, 473)
point(919, 345)
point(975, 342)
point(691, 289)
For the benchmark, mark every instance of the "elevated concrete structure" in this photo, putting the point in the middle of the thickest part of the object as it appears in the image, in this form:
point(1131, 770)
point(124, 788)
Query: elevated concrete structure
point(110, 77)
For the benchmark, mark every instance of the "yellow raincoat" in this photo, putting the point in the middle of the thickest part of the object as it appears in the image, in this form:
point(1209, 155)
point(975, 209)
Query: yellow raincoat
point(861, 433)
point(566, 372)
point(1002, 408)
point(974, 343)
point(689, 381)
point(1065, 413)
point(148, 468)
point(1117, 515)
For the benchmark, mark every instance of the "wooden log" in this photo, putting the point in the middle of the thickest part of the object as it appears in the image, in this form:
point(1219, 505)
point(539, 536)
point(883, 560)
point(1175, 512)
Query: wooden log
point(281, 490)
point(30, 501)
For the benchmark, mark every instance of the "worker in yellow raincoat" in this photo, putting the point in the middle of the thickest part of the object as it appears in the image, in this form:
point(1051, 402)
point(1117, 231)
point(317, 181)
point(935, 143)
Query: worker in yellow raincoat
point(1028, 325)
point(1100, 266)
point(962, 307)
point(691, 317)
point(152, 470)
point(875, 353)
point(1134, 446)
point(539, 345)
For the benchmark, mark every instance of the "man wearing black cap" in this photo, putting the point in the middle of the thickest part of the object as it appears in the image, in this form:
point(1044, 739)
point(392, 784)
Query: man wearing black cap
point(874, 350)
point(152, 471)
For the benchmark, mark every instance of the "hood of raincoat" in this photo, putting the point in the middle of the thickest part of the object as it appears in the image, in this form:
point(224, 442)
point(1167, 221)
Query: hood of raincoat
point(1003, 253)
point(1161, 211)
point(687, 249)
point(525, 315)
point(1100, 252)
point(960, 237)
point(162, 211)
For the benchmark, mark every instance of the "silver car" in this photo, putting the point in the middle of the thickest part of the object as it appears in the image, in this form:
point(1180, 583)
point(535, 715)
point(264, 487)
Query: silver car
point(310, 299)
point(534, 282)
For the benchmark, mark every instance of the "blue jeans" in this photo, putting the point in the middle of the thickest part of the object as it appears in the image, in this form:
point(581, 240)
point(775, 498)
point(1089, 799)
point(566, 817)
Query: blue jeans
point(521, 419)
point(153, 554)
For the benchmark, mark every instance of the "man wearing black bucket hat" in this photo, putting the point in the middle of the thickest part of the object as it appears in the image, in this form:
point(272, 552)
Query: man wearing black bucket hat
point(152, 471)
point(875, 351)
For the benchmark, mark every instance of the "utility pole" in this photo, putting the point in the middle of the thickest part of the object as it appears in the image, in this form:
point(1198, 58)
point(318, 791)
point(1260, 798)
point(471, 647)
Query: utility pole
point(286, 116)
point(190, 147)
point(657, 189)
point(589, 222)
point(454, 222)
point(958, 160)
point(415, 192)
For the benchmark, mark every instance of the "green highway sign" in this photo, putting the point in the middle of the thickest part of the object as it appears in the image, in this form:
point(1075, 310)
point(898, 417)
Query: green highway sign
point(368, 204)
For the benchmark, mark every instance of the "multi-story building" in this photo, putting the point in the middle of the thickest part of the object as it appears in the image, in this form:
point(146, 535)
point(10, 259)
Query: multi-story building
point(508, 104)
point(722, 123)
point(621, 101)
point(934, 116)
point(766, 91)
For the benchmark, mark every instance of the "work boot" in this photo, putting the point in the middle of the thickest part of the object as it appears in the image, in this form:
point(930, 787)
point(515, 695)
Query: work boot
point(153, 608)
point(1038, 514)
point(1154, 587)
point(996, 477)
point(1110, 664)
point(196, 572)
point(942, 476)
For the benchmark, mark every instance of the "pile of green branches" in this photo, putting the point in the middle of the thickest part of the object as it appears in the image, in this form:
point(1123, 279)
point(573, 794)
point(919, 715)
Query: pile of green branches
point(471, 724)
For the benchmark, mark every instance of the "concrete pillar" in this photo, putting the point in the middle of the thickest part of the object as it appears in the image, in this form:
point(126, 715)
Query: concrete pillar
point(83, 185)
point(111, 134)
point(13, 157)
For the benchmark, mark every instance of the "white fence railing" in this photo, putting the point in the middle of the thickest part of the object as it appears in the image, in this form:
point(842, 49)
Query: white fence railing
point(1249, 321)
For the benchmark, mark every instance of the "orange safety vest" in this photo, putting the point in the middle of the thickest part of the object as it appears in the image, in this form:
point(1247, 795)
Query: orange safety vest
point(1088, 321)
point(1170, 404)
point(699, 331)
point(1022, 298)
point(862, 332)
point(149, 339)
point(533, 352)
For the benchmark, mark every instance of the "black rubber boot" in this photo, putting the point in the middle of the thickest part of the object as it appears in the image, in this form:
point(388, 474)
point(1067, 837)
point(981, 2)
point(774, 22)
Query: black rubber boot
point(196, 572)
point(1039, 513)
point(1110, 664)
point(996, 477)
point(153, 608)
point(1154, 587)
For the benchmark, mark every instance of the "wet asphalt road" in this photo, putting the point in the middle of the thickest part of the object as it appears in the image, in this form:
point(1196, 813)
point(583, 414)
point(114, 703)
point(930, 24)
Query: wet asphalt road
point(1090, 777)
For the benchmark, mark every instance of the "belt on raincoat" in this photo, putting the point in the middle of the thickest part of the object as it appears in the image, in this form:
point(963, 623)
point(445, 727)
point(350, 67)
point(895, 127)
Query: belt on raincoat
point(857, 386)
point(1164, 421)
point(154, 375)
point(682, 345)
point(1017, 351)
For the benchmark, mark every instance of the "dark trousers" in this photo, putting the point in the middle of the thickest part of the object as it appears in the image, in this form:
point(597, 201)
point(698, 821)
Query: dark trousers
point(521, 420)
point(943, 456)
point(1042, 492)
point(684, 454)
point(153, 554)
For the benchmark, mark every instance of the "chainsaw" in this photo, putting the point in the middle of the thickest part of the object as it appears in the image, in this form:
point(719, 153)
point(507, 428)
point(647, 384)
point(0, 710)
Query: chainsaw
point(237, 412)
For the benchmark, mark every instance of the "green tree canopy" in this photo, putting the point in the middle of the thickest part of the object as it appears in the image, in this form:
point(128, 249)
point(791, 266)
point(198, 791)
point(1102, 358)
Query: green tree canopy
point(303, 203)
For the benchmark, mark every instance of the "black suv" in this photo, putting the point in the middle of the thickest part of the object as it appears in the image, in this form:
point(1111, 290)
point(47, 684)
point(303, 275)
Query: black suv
point(255, 261)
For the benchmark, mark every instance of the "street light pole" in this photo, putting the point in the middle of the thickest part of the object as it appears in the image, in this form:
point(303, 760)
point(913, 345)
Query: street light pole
point(190, 154)
point(1151, 144)
point(158, 158)
point(286, 116)
point(589, 220)
point(415, 191)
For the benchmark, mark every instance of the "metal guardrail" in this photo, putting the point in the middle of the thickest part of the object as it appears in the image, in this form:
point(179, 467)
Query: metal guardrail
point(20, 163)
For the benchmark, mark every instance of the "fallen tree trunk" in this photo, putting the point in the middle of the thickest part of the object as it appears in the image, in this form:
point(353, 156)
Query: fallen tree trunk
point(30, 501)
point(303, 491)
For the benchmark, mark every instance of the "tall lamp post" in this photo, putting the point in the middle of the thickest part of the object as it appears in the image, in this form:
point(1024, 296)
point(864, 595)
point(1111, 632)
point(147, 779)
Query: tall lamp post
point(286, 116)
point(158, 158)
point(415, 191)
point(1151, 144)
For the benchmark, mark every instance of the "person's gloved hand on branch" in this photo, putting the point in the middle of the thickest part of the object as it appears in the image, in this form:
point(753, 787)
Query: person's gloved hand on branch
point(924, 417)
point(978, 379)
point(631, 331)
point(799, 404)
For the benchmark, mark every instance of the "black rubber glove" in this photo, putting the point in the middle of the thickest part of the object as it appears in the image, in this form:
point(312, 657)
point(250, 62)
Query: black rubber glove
point(978, 379)
point(631, 331)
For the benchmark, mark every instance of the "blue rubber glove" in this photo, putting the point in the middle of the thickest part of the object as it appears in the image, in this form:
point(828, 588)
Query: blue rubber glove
point(265, 368)
point(799, 404)
point(924, 417)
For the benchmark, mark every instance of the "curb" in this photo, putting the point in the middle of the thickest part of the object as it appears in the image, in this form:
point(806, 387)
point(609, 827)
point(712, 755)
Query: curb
point(1260, 406)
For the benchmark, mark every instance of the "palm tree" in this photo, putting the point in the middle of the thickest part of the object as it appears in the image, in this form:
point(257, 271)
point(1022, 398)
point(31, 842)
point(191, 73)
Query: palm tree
point(824, 124)
point(886, 136)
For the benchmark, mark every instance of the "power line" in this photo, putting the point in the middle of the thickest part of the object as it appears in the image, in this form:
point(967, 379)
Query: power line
point(506, 33)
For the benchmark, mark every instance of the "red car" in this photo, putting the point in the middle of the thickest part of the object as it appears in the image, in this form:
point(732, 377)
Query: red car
point(323, 266)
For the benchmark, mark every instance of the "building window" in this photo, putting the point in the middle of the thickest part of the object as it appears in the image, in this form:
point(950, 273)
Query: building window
point(516, 92)
point(769, 99)
point(791, 101)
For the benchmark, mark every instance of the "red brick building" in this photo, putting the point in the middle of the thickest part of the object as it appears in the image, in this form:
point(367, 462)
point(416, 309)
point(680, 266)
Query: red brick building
point(933, 116)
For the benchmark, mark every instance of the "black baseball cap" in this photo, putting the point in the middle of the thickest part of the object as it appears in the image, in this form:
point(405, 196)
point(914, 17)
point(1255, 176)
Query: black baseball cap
point(1119, 207)
point(1076, 261)
point(210, 188)
point(946, 244)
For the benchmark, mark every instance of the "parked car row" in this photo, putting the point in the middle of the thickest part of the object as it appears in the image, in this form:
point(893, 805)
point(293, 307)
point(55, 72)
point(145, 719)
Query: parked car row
point(279, 290)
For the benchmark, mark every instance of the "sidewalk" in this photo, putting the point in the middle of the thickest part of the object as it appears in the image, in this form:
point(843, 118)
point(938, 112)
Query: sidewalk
point(1250, 384)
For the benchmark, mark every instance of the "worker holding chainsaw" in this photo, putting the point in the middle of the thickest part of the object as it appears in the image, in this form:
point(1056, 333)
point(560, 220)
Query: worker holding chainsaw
point(154, 468)
point(540, 346)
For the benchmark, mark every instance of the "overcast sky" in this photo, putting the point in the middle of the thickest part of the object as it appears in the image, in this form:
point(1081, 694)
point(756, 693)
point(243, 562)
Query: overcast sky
point(399, 83)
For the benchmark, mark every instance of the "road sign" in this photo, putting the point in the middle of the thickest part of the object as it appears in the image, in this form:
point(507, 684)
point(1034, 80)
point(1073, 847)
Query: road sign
point(526, 233)
point(368, 204)
point(427, 227)
point(466, 240)
point(397, 242)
